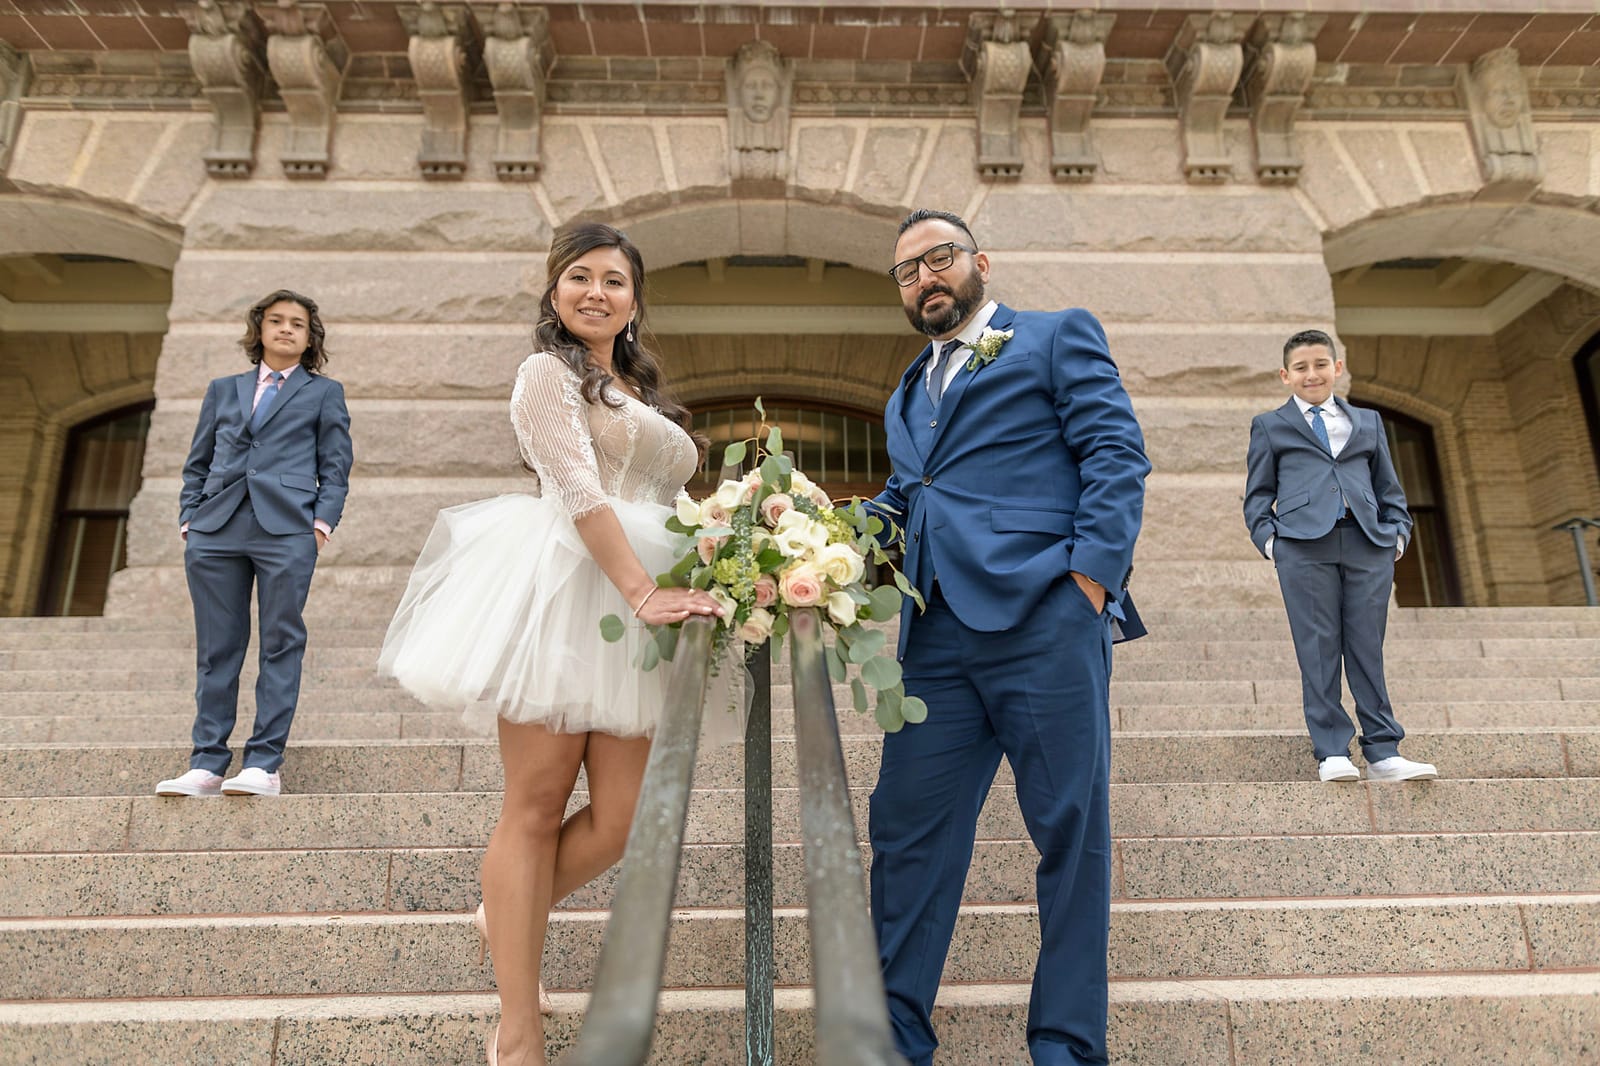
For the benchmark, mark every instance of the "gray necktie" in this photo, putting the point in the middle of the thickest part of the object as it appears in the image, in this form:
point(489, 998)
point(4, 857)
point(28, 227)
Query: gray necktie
point(936, 376)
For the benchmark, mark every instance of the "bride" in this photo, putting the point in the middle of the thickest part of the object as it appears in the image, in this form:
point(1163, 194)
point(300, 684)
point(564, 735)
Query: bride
point(502, 613)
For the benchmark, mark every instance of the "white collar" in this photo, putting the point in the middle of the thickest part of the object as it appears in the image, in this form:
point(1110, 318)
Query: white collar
point(263, 371)
point(1305, 408)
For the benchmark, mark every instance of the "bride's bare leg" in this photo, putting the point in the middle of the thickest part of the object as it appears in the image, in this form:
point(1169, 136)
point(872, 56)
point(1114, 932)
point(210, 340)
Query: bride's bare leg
point(519, 865)
point(592, 840)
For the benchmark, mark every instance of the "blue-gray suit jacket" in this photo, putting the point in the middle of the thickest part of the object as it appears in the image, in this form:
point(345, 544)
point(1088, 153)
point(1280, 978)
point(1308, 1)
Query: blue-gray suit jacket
point(1289, 465)
point(296, 468)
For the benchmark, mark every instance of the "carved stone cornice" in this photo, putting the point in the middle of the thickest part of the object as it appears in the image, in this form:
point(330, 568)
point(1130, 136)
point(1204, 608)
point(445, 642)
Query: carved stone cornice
point(227, 51)
point(307, 58)
point(998, 61)
point(1205, 61)
point(14, 74)
point(1342, 101)
point(1072, 59)
point(518, 55)
point(443, 49)
point(1280, 60)
point(1501, 118)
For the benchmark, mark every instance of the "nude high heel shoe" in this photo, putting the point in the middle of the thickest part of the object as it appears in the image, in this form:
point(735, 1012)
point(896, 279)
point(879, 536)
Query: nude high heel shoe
point(481, 923)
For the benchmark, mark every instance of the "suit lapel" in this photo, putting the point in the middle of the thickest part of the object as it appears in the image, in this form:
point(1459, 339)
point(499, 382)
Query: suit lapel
point(963, 380)
point(1357, 426)
point(894, 415)
point(293, 384)
point(245, 386)
point(1290, 413)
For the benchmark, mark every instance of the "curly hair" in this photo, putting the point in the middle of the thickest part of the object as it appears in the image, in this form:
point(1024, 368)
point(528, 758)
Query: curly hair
point(631, 361)
point(316, 353)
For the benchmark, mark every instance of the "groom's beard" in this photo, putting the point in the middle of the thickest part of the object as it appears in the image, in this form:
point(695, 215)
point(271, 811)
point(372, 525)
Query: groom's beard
point(963, 301)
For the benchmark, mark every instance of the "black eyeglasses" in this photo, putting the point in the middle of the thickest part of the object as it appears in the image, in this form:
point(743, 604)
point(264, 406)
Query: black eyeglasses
point(937, 258)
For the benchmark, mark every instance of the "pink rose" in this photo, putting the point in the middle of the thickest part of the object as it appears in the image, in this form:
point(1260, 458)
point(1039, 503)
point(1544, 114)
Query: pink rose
point(801, 586)
point(775, 507)
point(766, 591)
point(708, 547)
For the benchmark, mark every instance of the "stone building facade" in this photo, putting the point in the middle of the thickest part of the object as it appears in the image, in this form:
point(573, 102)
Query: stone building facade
point(1424, 184)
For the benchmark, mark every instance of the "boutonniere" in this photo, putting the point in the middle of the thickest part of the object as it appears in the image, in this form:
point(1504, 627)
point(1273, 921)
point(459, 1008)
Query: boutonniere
point(987, 346)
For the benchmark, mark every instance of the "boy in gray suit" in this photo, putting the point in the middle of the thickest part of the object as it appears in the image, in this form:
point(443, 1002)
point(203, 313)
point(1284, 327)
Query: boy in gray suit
point(263, 487)
point(1339, 524)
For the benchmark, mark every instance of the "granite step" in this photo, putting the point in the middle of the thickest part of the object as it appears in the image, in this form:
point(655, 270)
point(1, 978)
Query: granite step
point(474, 766)
point(1439, 1019)
point(465, 819)
point(350, 719)
point(400, 879)
point(398, 954)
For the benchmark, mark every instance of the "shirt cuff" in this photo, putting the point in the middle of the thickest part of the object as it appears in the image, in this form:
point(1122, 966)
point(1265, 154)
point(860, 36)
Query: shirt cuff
point(327, 530)
point(1267, 551)
point(1399, 547)
point(183, 529)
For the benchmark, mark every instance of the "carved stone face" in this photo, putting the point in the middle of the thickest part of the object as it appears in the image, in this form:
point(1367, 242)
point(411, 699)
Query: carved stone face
point(1502, 103)
point(759, 91)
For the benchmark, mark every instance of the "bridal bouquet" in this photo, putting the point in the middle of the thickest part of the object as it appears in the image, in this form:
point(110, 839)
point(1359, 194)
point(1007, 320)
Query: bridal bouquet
point(772, 542)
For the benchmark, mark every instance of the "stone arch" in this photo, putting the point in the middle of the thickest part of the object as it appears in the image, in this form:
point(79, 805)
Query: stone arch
point(36, 222)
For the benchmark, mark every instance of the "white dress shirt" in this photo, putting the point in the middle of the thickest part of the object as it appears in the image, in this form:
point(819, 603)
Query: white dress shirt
point(969, 333)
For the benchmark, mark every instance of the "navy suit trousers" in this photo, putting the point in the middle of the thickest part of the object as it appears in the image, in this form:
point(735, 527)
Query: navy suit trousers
point(221, 567)
point(1038, 695)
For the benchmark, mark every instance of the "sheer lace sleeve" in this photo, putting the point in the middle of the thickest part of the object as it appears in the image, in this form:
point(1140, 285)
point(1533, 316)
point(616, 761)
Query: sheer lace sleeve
point(552, 424)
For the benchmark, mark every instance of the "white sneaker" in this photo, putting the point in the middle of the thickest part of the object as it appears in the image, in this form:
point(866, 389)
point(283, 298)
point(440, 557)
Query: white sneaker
point(1338, 768)
point(1394, 768)
point(252, 781)
point(196, 782)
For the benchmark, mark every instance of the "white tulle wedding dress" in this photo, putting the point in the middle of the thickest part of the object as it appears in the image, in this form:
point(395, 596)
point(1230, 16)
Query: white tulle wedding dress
point(502, 614)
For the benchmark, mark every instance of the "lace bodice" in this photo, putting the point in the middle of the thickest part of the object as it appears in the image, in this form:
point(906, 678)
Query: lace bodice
point(583, 453)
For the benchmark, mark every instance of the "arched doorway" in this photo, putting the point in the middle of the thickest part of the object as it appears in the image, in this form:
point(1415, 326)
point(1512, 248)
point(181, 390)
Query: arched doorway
point(1426, 575)
point(89, 534)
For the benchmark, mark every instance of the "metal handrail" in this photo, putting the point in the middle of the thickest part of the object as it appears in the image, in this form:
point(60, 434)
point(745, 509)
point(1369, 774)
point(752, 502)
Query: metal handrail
point(851, 1015)
point(621, 1020)
point(1575, 526)
point(760, 968)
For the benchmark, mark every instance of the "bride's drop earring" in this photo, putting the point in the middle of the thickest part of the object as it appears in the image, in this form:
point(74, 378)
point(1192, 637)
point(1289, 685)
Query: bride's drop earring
point(630, 331)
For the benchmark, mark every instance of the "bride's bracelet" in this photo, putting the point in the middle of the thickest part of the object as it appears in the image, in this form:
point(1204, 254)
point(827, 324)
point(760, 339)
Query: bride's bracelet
point(644, 601)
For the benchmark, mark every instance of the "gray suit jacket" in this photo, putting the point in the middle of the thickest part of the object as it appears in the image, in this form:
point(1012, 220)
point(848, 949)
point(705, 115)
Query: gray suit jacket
point(296, 468)
point(1289, 466)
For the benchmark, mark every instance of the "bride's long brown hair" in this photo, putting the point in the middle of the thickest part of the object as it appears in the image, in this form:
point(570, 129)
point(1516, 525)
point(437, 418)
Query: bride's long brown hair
point(631, 361)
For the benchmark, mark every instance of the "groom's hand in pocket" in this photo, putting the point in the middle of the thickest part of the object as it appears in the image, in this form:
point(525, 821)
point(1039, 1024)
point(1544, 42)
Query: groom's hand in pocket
point(1095, 591)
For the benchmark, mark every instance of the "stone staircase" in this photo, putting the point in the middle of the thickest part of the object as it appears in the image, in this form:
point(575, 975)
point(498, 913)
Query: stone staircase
point(1259, 916)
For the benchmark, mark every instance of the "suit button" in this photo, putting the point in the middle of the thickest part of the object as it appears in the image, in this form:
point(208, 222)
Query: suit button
point(255, 444)
point(1334, 489)
point(934, 424)
point(252, 473)
point(916, 537)
point(927, 481)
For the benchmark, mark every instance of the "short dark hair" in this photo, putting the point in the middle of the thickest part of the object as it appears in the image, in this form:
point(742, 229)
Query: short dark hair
point(316, 354)
point(1306, 338)
point(933, 214)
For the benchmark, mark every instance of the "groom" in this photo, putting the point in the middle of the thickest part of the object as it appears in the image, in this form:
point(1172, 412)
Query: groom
point(1019, 483)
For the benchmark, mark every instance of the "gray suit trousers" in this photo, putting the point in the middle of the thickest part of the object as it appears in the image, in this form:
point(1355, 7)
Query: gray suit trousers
point(221, 567)
point(1336, 592)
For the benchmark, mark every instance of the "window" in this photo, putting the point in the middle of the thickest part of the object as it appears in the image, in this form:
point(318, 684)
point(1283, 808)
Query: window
point(1587, 365)
point(842, 450)
point(89, 539)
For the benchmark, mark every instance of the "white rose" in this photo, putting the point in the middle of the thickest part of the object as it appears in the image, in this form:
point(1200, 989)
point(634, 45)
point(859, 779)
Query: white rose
point(713, 514)
point(730, 494)
point(841, 608)
point(799, 482)
point(688, 511)
point(841, 563)
point(758, 627)
point(725, 601)
point(798, 534)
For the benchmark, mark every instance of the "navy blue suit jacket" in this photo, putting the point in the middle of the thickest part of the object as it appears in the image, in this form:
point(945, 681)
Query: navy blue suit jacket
point(1036, 468)
point(296, 467)
point(1289, 466)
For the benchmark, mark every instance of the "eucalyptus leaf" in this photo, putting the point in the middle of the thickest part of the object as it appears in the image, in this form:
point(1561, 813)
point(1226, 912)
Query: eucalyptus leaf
point(889, 720)
point(652, 657)
point(858, 693)
point(836, 672)
point(785, 464)
point(875, 525)
point(777, 650)
point(675, 525)
point(667, 641)
point(760, 409)
point(868, 644)
point(881, 672)
point(701, 578)
point(716, 531)
point(774, 440)
point(734, 454)
point(914, 710)
point(769, 558)
point(612, 628)
point(858, 595)
point(885, 601)
point(680, 569)
point(892, 697)
point(772, 471)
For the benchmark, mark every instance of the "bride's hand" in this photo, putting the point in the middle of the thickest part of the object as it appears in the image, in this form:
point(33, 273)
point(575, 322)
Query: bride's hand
point(666, 606)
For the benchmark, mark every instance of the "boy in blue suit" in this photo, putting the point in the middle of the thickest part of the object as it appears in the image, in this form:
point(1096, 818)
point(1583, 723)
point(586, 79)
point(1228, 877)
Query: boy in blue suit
point(1019, 486)
point(263, 489)
point(1323, 502)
